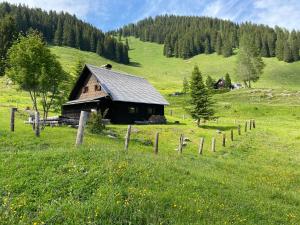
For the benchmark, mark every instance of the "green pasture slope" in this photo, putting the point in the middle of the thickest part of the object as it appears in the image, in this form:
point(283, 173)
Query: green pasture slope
point(253, 180)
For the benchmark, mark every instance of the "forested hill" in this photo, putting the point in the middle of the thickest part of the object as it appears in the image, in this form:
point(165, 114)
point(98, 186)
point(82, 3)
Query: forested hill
point(62, 29)
point(186, 36)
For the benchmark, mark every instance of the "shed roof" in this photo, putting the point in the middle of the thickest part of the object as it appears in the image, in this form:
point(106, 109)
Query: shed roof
point(127, 88)
point(84, 100)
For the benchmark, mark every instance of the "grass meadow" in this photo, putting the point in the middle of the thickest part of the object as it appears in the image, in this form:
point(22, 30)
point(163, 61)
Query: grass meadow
point(253, 180)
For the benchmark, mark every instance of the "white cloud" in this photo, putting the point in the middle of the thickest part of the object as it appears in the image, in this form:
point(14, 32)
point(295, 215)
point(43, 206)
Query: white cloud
point(110, 14)
point(77, 7)
point(227, 9)
point(277, 12)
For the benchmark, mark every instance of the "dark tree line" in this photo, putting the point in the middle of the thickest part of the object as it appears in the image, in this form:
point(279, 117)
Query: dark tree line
point(187, 36)
point(64, 29)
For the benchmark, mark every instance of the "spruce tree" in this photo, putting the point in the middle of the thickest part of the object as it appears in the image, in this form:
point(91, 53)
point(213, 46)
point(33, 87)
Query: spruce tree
point(93, 42)
point(119, 52)
point(99, 49)
point(227, 81)
point(287, 53)
point(58, 33)
point(207, 46)
point(265, 49)
point(167, 48)
point(279, 44)
point(210, 82)
point(127, 44)
point(201, 104)
point(227, 49)
point(294, 44)
point(219, 44)
point(125, 57)
point(185, 85)
point(78, 37)
point(7, 36)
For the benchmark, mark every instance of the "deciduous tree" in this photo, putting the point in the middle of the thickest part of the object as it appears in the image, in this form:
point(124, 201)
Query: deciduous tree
point(249, 65)
point(34, 69)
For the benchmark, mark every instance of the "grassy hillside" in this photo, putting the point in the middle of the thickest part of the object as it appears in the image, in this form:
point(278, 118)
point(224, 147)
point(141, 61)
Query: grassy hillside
point(253, 180)
point(167, 73)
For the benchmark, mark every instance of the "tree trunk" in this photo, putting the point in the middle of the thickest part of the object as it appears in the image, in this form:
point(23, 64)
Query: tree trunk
point(249, 84)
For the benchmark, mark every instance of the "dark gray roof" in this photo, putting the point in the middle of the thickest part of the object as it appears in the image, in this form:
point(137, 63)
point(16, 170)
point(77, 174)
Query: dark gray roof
point(84, 100)
point(127, 88)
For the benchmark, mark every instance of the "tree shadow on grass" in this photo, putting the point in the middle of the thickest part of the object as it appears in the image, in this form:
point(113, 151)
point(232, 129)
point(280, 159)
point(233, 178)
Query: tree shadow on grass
point(135, 64)
point(175, 124)
point(224, 128)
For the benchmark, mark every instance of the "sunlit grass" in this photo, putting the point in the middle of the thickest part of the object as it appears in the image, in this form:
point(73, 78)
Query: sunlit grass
point(253, 180)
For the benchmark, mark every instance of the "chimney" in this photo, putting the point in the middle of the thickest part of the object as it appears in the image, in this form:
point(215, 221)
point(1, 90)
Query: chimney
point(107, 66)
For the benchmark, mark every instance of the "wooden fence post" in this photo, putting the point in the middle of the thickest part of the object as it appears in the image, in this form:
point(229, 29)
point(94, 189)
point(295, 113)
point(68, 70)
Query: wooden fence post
point(200, 151)
point(246, 124)
point(254, 125)
point(231, 135)
point(81, 126)
point(127, 138)
point(12, 119)
point(239, 129)
point(213, 144)
point(156, 143)
point(180, 144)
point(37, 124)
point(224, 140)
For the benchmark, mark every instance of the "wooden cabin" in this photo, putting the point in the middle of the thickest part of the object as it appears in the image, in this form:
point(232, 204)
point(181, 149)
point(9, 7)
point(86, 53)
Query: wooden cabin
point(128, 98)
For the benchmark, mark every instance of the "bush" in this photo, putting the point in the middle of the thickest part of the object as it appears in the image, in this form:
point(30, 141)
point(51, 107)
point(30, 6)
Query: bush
point(95, 123)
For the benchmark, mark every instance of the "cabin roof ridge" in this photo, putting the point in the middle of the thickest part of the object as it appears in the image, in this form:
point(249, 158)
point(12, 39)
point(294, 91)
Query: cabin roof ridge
point(115, 71)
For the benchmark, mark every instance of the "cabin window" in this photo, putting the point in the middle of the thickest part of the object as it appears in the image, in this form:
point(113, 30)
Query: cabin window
point(97, 88)
point(85, 89)
point(151, 111)
point(133, 110)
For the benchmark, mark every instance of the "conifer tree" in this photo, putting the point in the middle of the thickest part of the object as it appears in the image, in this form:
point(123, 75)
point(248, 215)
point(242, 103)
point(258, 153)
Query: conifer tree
point(68, 35)
point(99, 49)
point(127, 44)
point(167, 47)
point(294, 44)
point(227, 49)
point(93, 43)
point(58, 33)
point(201, 104)
point(287, 53)
point(78, 37)
point(271, 39)
point(7, 36)
point(219, 44)
point(207, 46)
point(125, 57)
point(185, 85)
point(264, 49)
point(228, 81)
point(279, 44)
point(210, 82)
point(119, 51)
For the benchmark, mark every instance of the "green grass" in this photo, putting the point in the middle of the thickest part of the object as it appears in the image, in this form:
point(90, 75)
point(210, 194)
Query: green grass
point(167, 74)
point(253, 180)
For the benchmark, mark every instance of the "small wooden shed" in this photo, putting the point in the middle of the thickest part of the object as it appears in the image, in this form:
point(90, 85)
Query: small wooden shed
point(128, 98)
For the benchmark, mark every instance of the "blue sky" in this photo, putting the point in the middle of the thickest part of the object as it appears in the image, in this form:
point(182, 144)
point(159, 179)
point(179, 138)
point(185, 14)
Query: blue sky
point(111, 14)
